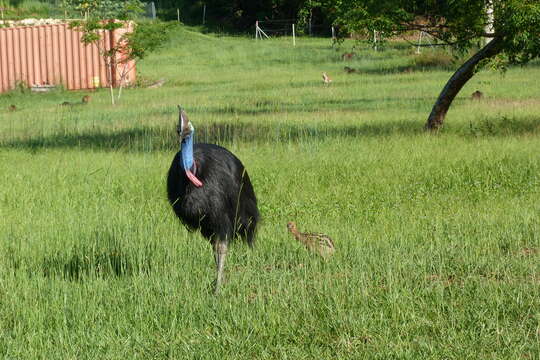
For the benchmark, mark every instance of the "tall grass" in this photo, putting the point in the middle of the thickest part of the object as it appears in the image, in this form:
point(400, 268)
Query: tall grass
point(437, 236)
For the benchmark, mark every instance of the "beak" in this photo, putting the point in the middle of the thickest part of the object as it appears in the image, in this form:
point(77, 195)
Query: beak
point(184, 128)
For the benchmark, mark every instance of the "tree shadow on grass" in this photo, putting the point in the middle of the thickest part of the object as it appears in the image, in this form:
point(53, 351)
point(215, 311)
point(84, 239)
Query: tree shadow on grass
point(147, 139)
point(491, 126)
point(100, 256)
point(273, 106)
point(402, 69)
point(84, 262)
point(88, 262)
point(427, 65)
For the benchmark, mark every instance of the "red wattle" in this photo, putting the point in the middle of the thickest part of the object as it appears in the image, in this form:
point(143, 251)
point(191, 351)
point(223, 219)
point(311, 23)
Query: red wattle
point(193, 179)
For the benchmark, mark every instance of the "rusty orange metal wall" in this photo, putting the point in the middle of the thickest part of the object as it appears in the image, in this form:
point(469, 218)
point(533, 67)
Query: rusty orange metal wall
point(53, 55)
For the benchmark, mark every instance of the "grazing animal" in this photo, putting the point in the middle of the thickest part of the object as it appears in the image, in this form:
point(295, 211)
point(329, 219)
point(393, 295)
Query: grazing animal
point(209, 190)
point(12, 107)
point(347, 56)
point(326, 79)
point(157, 84)
point(349, 70)
point(318, 243)
point(477, 95)
point(85, 100)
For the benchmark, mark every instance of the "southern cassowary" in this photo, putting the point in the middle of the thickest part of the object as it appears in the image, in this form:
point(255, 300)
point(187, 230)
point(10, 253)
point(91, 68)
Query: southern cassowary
point(209, 189)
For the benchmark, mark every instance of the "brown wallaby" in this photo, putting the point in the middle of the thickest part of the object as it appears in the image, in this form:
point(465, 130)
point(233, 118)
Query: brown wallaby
point(477, 95)
point(85, 100)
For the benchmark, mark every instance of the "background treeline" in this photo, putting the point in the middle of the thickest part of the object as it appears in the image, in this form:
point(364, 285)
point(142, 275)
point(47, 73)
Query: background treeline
point(235, 15)
point(240, 15)
point(310, 16)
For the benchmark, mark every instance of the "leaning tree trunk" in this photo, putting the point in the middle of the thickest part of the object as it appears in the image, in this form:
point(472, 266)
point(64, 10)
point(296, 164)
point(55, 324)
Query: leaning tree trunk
point(457, 81)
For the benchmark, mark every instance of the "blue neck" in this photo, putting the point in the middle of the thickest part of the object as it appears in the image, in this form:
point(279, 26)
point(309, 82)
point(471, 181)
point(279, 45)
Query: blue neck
point(186, 151)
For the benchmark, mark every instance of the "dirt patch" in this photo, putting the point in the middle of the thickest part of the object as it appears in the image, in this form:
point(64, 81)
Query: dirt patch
point(445, 280)
point(529, 251)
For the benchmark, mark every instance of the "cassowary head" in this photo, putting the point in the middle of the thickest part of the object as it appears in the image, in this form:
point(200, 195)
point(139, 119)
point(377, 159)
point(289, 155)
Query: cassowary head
point(184, 127)
point(186, 132)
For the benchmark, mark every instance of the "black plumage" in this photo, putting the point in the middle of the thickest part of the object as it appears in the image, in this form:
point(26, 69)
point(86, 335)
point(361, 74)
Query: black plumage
point(225, 199)
point(224, 207)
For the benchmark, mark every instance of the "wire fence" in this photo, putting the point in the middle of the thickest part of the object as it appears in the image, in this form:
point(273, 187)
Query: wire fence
point(276, 27)
point(288, 27)
point(285, 28)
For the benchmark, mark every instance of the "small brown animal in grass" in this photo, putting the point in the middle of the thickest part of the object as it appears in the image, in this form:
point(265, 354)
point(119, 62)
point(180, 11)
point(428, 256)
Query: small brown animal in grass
point(12, 107)
point(318, 243)
point(349, 70)
point(477, 95)
point(157, 84)
point(85, 100)
point(326, 79)
point(347, 56)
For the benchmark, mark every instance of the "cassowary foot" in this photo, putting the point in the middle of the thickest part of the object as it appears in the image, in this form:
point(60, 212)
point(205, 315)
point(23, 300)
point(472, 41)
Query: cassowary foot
point(216, 287)
point(220, 253)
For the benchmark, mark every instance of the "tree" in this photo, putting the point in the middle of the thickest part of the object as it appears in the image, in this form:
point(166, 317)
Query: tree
point(511, 28)
point(108, 15)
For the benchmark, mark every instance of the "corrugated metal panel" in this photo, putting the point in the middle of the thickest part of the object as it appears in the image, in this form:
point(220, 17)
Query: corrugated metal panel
point(53, 55)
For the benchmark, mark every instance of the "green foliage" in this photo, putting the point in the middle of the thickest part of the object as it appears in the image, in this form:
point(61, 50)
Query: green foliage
point(99, 16)
point(146, 38)
point(519, 24)
point(91, 29)
point(102, 16)
point(106, 9)
point(459, 24)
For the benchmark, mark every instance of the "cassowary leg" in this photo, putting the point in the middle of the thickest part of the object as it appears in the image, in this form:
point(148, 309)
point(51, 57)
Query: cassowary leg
point(220, 252)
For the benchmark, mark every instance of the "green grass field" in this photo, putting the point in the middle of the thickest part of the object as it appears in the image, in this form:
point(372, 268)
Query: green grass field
point(437, 236)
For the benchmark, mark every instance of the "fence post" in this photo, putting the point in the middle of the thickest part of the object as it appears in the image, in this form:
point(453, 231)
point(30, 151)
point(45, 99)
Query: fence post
point(293, 36)
point(419, 41)
point(256, 30)
point(204, 14)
